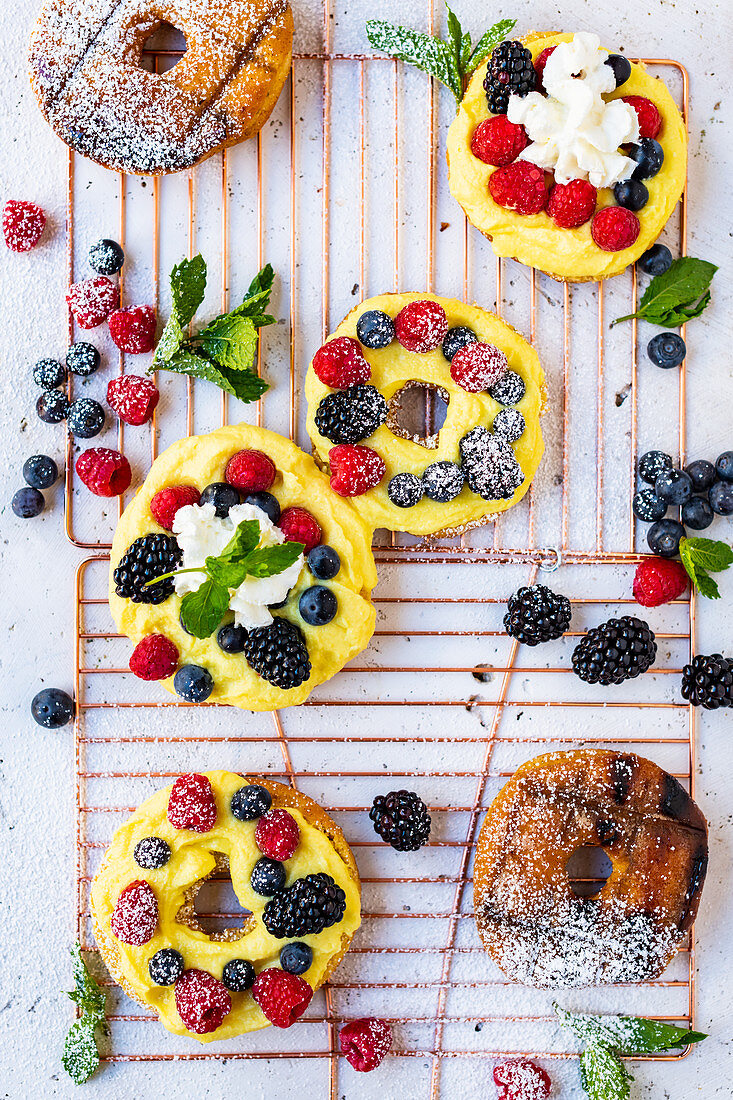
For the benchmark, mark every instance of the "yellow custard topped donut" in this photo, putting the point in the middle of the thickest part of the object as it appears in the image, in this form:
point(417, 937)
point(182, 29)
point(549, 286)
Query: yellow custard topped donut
point(482, 459)
point(290, 867)
point(575, 131)
point(268, 573)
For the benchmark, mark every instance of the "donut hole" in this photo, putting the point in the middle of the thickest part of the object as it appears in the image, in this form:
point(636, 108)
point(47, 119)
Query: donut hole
point(163, 48)
point(417, 411)
point(211, 906)
point(589, 869)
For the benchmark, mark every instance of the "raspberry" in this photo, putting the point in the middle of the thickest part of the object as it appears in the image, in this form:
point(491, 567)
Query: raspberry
point(154, 657)
point(477, 367)
point(132, 397)
point(283, 997)
point(191, 804)
point(250, 471)
point(135, 915)
point(133, 329)
point(614, 228)
point(572, 204)
point(365, 1042)
point(277, 834)
point(354, 469)
point(658, 580)
point(166, 503)
point(421, 326)
point(298, 525)
point(650, 120)
point(519, 186)
point(23, 224)
point(202, 1001)
point(341, 363)
point(498, 141)
point(92, 300)
point(519, 1079)
point(105, 473)
point(539, 66)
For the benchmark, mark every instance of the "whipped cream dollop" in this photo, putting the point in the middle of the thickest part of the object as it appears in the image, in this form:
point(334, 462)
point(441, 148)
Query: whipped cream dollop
point(573, 130)
point(202, 534)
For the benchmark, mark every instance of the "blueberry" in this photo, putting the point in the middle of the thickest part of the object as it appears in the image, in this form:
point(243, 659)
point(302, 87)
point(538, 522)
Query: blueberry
point(267, 503)
point(651, 465)
point(48, 374)
point(649, 157)
point(442, 481)
point(664, 538)
point(510, 389)
point(106, 257)
point(222, 496)
point(656, 260)
point(721, 498)
point(268, 877)
point(166, 966)
point(52, 406)
point(324, 562)
point(724, 466)
point(318, 605)
point(673, 486)
point(509, 425)
point(702, 474)
point(238, 975)
point(85, 418)
point(697, 513)
point(250, 802)
point(632, 194)
point(40, 471)
point(82, 359)
point(666, 350)
point(193, 683)
point(457, 338)
point(231, 638)
point(646, 505)
point(28, 502)
point(52, 708)
point(621, 67)
point(280, 603)
point(296, 958)
point(151, 853)
point(375, 329)
point(405, 490)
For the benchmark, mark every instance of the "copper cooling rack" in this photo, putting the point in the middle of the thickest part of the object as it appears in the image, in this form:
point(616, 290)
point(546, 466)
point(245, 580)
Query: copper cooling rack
point(441, 701)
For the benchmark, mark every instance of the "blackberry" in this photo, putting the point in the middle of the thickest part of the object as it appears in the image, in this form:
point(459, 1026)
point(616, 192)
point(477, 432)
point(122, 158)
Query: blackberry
point(305, 908)
point(490, 465)
point(509, 425)
point(442, 481)
point(651, 465)
point(646, 505)
point(535, 615)
point(146, 558)
point(402, 819)
point(510, 72)
point(82, 359)
point(352, 414)
point(48, 374)
point(617, 650)
point(278, 654)
point(708, 681)
point(85, 418)
point(510, 389)
point(166, 966)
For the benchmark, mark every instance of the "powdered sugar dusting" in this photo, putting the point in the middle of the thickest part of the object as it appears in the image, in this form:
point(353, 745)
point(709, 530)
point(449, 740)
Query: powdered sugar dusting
point(490, 465)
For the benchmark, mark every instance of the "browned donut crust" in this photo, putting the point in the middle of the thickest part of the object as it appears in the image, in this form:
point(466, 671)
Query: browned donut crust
point(529, 919)
point(85, 71)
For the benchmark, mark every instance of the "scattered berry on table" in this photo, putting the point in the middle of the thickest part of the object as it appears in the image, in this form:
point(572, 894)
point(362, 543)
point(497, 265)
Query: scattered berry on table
point(152, 853)
point(650, 120)
point(296, 957)
point(222, 496)
point(520, 1079)
point(646, 505)
point(443, 481)
point(92, 301)
point(697, 513)
point(490, 465)
point(673, 486)
point(666, 350)
point(231, 638)
point(708, 681)
point(405, 490)
point(649, 157)
point(509, 72)
point(651, 465)
point(614, 228)
point(631, 194)
point(402, 819)
point(621, 67)
point(617, 650)
point(721, 498)
point(497, 141)
point(278, 654)
point(341, 363)
point(282, 997)
point(191, 803)
point(28, 502)
point(85, 418)
point(133, 329)
point(354, 469)
point(135, 915)
point(307, 907)
point(351, 415)
point(519, 186)
point(166, 966)
point(105, 472)
point(202, 1002)
point(658, 580)
point(536, 615)
point(193, 683)
point(250, 802)
point(572, 204)
point(238, 975)
point(277, 834)
point(268, 877)
point(146, 558)
point(324, 562)
point(52, 708)
point(48, 374)
point(478, 366)
point(166, 502)
point(318, 605)
point(52, 406)
point(82, 359)
point(509, 425)
point(457, 338)
point(132, 397)
point(375, 329)
point(421, 326)
point(155, 657)
point(539, 66)
point(663, 538)
point(509, 390)
point(365, 1042)
point(250, 471)
point(106, 257)
point(724, 466)
point(266, 503)
point(40, 471)
point(656, 260)
point(702, 474)
point(23, 225)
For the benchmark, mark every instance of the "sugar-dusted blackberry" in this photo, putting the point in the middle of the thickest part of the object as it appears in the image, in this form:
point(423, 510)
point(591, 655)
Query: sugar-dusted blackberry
point(278, 654)
point(510, 389)
point(145, 559)
point(510, 72)
point(352, 414)
point(651, 465)
point(509, 425)
point(305, 908)
point(490, 465)
point(48, 374)
point(537, 614)
point(402, 819)
point(617, 650)
point(708, 681)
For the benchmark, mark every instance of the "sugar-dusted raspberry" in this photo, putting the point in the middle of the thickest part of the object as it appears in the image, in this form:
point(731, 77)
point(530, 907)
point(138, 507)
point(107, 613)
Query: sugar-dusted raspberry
point(166, 503)
point(498, 141)
point(539, 67)
point(277, 834)
point(154, 657)
point(298, 525)
point(283, 997)
point(520, 1079)
point(477, 367)
point(92, 300)
point(23, 225)
point(354, 469)
point(572, 204)
point(133, 329)
point(650, 120)
point(659, 580)
point(135, 915)
point(341, 363)
point(519, 186)
point(614, 228)
point(202, 1001)
point(365, 1042)
point(250, 471)
point(191, 804)
point(421, 326)
point(105, 472)
point(132, 397)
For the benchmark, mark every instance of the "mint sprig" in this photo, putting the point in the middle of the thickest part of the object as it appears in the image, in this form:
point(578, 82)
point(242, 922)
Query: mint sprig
point(677, 296)
point(701, 557)
point(603, 1075)
point(80, 1057)
point(450, 62)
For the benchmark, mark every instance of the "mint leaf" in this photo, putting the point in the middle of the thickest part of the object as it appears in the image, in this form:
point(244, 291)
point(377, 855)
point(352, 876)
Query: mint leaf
point(432, 55)
point(603, 1074)
point(188, 286)
point(455, 31)
point(676, 296)
point(226, 574)
point(245, 385)
point(488, 42)
point(203, 610)
point(268, 561)
point(700, 557)
point(627, 1034)
point(257, 297)
point(244, 540)
point(171, 341)
point(87, 994)
point(80, 1057)
point(231, 341)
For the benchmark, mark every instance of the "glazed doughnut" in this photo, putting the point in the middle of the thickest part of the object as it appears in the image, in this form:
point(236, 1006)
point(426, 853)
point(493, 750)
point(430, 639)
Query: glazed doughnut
point(530, 920)
point(142, 898)
point(86, 73)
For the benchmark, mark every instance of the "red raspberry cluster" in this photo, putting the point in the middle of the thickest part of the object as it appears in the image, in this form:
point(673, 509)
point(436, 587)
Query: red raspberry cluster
point(277, 834)
point(135, 915)
point(191, 804)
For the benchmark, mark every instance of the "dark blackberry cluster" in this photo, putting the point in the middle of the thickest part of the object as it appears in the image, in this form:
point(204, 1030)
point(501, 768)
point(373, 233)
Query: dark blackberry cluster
point(278, 654)
point(402, 819)
point(305, 908)
point(146, 558)
point(510, 72)
point(617, 650)
point(535, 615)
point(708, 681)
point(351, 415)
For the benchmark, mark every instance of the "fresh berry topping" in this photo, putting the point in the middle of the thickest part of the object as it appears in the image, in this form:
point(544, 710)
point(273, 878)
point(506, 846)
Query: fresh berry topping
point(650, 120)
point(402, 819)
point(490, 465)
point(278, 654)
point(721, 498)
point(106, 257)
point(135, 915)
point(191, 803)
point(614, 228)
point(48, 374)
point(658, 581)
point(442, 481)
point(52, 406)
point(621, 67)
point(250, 802)
point(305, 908)
point(82, 359)
point(282, 997)
point(702, 474)
point(509, 72)
point(166, 503)
point(617, 650)
point(539, 66)
point(673, 486)
point(520, 1079)
point(649, 157)
point(23, 225)
point(354, 469)
point(85, 418)
point(724, 466)
point(664, 537)
point(478, 366)
point(92, 300)
point(519, 186)
point(222, 495)
point(375, 329)
point(28, 503)
point(298, 525)
point(631, 194)
point(509, 390)
point(154, 657)
point(40, 471)
point(105, 473)
point(132, 397)
point(250, 471)
point(656, 260)
point(351, 415)
point(498, 141)
point(572, 204)
point(324, 562)
point(268, 877)
point(203, 1003)
point(457, 338)
point(421, 326)
point(318, 605)
point(651, 465)
point(151, 853)
point(697, 513)
point(509, 424)
point(266, 503)
point(341, 363)
point(238, 975)
point(708, 681)
point(231, 638)
point(646, 505)
point(145, 559)
point(405, 490)
point(193, 683)
point(536, 615)
point(133, 329)
point(166, 966)
point(365, 1042)
point(296, 957)
point(666, 350)
point(52, 708)
point(277, 834)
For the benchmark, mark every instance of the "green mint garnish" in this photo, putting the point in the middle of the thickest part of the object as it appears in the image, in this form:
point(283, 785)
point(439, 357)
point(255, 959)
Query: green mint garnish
point(701, 557)
point(603, 1075)
point(80, 1057)
point(677, 296)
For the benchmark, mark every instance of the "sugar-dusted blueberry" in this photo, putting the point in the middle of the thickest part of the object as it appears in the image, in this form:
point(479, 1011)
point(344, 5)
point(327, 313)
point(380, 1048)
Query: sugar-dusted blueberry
point(673, 486)
point(151, 853)
point(82, 359)
point(621, 67)
point(647, 505)
point(85, 418)
point(697, 513)
point(231, 638)
point(457, 338)
point(405, 490)
point(510, 389)
point(651, 465)
point(656, 260)
point(702, 474)
point(268, 877)
point(649, 157)
point(666, 350)
point(52, 708)
point(296, 957)
point(724, 466)
point(721, 498)
point(106, 257)
point(48, 374)
point(28, 503)
point(324, 562)
point(631, 193)
point(509, 425)
point(250, 802)
point(193, 683)
point(222, 496)
point(267, 503)
point(40, 471)
point(238, 975)
point(664, 538)
point(166, 966)
point(443, 481)
point(52, 406)
point(375, 329)
point(318, 605)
